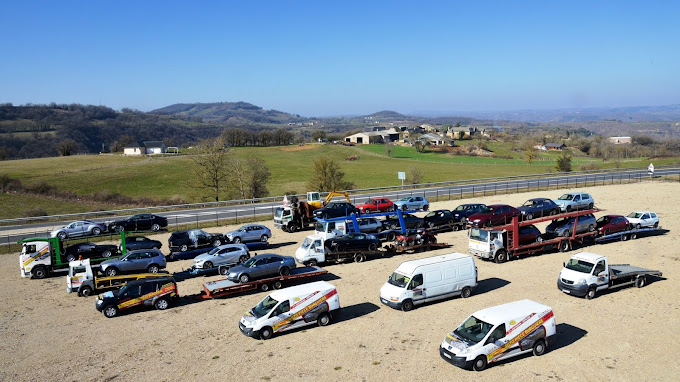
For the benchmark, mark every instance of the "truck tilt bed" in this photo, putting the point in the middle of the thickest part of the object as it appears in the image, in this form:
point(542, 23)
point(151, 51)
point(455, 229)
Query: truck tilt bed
point(222, 288)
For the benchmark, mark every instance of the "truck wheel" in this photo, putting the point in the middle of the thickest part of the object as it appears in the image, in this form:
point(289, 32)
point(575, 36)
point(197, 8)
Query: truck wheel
point(264, 238)
point(407, 305)
point(359, 257)
point(624, 237)
point(285, 271)
point(62, 235)
point(70, 258)
point(183, 248)
point(324, 319)
point(106, 253)
point(264, 287)
point(373, 247)
point(223, 270)
point(277, 285)
point(312, 263)
point(156, 227)
point(110, 311)
point(391, 236)
point(161, 304)
point(564, 246)
point(539, 348)
point(217, 243)
point(480, 363)
point(591, 293)
point(207, 265)
point(293, 228)
point(96, 231)
point(266, 333)
point(466, 292)
point(85, 291)
point(244, 278)
point(153, 268)
point(640, 281)
point(111, 271)
point(501, 256)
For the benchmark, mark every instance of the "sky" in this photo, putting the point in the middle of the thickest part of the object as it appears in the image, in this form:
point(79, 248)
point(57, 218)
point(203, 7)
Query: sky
point(323, 58)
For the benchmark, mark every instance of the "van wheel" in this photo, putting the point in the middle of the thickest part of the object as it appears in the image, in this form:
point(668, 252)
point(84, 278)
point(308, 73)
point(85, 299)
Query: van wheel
point(501, 256)
point(266, 333)
point(285, 271)
point(277, 285)
point(591, 293)
point(480, 363)
point(324, 319)
point(466, 292)
point(539, 348)
point(359, 257)
point(85, 291)
point(264, 287)
point(640, 281)
point(110, 311)
point(161, 304)
point(407, 305)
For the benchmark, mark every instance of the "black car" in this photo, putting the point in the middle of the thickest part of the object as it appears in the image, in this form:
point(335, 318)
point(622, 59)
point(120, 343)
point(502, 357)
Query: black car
point(464, 211)
point(139, 222)
point(439, 218)
point(182, 241)
point(89, 251)
point(336, 210)
point(537, 208)
point(140, 242)
point(156, 292)
point(412, 222)
point(353, 241)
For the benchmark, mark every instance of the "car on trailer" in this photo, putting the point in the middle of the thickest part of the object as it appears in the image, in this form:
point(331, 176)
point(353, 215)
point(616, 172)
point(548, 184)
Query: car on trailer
point(336, 210)
point(79, 228)
point(226, 255)
point(353, 241)
point(89, 251)
point(410, 221)
point(492, 215)
point(139, 222)
point(182, 241)
point(376, 205)
point(464, 211)
point(151, 260)
point(575, 201)
point(643, 219)
point(609, 224)
point(412, 203)
point(538, 208)
point(565, 226)
point(439, 219)
point(133, 243)
point(261, 266)
point(249, 233)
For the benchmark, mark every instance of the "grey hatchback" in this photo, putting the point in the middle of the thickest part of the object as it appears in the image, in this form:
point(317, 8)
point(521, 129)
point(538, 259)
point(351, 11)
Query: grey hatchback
point(261, 266)
point(150, 260)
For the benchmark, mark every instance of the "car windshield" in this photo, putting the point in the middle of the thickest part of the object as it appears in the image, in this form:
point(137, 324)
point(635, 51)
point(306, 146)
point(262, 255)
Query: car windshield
point(528, 203)
point(479, 234)
point(485, 209)
point(566, 197)
point(214, 251)
point(473, 329)
point(406, 199)
point(603, 219)
point(635, 215)
point(399, 280)
point(242, 229)
point(307, 243)
point(264, 307)
point(579, 265)
point(431, 214)
point(249, 263)
point(462, 208)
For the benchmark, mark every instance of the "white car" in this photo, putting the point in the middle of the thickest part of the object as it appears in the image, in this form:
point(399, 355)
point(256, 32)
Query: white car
point(575, 201)
point(643, 219)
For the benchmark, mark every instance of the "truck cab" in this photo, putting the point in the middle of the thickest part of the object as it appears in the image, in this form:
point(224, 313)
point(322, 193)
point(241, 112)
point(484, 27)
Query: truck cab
point(79, 274)
point(485, 243)
point(311, 250)
point(583, 271)
point(37, 256)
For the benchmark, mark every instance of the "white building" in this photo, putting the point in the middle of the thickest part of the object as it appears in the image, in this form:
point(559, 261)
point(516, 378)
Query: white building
point(145, 148)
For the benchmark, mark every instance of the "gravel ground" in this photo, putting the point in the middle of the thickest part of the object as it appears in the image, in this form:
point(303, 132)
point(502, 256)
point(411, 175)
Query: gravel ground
point(50, 335)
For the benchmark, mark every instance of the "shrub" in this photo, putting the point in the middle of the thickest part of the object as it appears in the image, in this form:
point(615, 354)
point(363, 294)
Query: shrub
point(33, 212)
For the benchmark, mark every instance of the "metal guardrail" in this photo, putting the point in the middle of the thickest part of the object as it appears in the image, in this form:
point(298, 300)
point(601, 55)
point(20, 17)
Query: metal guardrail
point(225, 203)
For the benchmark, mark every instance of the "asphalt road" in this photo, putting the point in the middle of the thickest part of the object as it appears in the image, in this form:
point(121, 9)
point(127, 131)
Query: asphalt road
point(11, 234)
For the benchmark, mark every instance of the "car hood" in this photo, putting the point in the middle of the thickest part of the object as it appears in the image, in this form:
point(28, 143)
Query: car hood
point(109, 262)
point(202, 257)
point(232, 233)
point(525, 208)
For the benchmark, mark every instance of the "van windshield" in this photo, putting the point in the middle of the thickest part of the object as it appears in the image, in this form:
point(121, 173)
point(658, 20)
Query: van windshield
point(399, 280)
point(479, 234)
point(579, 265)
point(473, 329)
point(264, 307)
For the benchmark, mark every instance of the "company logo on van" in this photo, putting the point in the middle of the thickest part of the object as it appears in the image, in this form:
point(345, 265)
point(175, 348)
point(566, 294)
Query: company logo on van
point(496, 353)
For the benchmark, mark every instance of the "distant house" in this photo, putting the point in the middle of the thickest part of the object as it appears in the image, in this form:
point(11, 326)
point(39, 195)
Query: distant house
point(382, 136)
point(555, 146)
point(145, 148)
point(620, 140)
point(436, 139)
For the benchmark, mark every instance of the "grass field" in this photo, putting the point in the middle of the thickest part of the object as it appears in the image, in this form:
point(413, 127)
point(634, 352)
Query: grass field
point(170, 177)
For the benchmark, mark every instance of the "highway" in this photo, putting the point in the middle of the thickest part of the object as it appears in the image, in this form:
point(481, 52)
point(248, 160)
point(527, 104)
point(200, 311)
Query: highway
point(220, 215)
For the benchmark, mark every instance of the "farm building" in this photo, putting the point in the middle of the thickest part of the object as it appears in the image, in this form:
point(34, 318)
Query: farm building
point(145, 148)
point(620, 140)
point(390, 135)
point(555, 146)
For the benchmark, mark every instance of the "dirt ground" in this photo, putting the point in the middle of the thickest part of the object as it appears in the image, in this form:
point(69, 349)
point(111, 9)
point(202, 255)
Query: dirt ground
point(628, 334)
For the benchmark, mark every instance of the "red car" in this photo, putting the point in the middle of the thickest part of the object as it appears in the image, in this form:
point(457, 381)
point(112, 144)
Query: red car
point(609, 224)
point(376, 205)
point(495, 214)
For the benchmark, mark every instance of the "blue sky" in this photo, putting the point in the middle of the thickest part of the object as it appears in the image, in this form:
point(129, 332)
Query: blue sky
point(320, 58)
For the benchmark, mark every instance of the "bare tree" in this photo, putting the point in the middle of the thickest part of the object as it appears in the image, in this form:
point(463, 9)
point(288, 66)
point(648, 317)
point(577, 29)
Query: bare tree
point(326, 176)
point(415, 175)
point(210, 165)
point(530, 153)
point(67, 147)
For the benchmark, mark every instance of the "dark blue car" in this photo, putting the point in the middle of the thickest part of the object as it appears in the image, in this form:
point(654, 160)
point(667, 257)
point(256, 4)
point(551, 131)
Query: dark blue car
point(537, 208)
point(464, 211)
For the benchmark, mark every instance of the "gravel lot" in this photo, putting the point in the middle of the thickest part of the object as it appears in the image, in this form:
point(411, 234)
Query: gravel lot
point(50, 335)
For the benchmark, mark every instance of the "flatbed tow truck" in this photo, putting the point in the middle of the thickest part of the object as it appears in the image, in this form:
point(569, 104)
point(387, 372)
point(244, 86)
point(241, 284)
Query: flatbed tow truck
point(85, 282)
point(224, 288)
point(498, 244)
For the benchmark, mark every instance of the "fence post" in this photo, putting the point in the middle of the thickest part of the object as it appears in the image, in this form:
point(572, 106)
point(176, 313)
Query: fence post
point(473, 190)
point(196, 221)
point(217, 218)
point(236, 215)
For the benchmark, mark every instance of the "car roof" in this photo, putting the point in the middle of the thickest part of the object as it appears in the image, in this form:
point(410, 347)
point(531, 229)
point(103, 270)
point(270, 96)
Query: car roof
point(268, 255)
point(152, 279)
point(144, 250)
point(498, 205)
point(232, 245)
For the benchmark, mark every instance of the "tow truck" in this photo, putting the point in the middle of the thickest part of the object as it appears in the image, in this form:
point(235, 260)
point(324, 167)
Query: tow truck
point(499, 244)
point(295, 214)
point(85, 282)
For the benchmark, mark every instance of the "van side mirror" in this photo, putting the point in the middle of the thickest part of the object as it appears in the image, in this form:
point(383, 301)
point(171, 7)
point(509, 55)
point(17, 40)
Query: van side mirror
point(564, 265)
point(490, 340)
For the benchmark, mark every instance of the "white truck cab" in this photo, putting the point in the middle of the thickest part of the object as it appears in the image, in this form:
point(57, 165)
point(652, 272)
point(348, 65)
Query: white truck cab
point(417, 281)
point(35, 255)
point(311, 250)
point(79, 273)
point(291, 308)
point(498, 333)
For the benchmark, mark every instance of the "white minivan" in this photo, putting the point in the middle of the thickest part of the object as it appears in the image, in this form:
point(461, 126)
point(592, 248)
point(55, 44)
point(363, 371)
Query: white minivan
point(417, 281)
point(498, 333)
point(291, 308)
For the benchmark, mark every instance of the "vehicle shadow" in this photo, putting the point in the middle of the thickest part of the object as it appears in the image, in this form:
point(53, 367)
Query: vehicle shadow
point(490, 284)
point(354, 311)
point(277, 245)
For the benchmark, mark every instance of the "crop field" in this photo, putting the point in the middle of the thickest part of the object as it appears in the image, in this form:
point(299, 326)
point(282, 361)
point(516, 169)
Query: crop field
point(170, 177)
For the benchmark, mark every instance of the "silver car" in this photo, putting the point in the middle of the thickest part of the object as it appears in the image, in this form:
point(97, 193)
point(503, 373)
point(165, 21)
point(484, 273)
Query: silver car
point(223, 257)
point(412, 203)
point(370, 225)
point(248, 233)
point(261, 266)
point(150, 260)
point(565, 226)
point(79, 228)
point(575, 201)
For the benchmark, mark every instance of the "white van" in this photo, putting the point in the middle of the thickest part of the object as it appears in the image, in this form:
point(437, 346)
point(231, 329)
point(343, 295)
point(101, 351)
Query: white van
point(498, 333)
point(291, 308)
point(417, 281)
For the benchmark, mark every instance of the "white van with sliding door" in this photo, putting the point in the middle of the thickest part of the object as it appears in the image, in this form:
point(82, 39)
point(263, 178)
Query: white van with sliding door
point(500, 332)
point(291, 308)
point(417, 281)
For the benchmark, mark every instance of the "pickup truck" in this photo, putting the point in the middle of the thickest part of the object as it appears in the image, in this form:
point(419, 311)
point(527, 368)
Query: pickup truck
point(587, 273)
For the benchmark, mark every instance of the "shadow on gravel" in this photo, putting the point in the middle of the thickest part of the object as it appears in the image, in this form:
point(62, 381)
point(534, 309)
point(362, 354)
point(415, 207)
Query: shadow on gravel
point(566, 335)
point(355, 311)
point(490, 284)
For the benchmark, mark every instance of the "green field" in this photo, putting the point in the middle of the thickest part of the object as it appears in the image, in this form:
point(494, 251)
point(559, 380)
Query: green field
point(169, 177)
